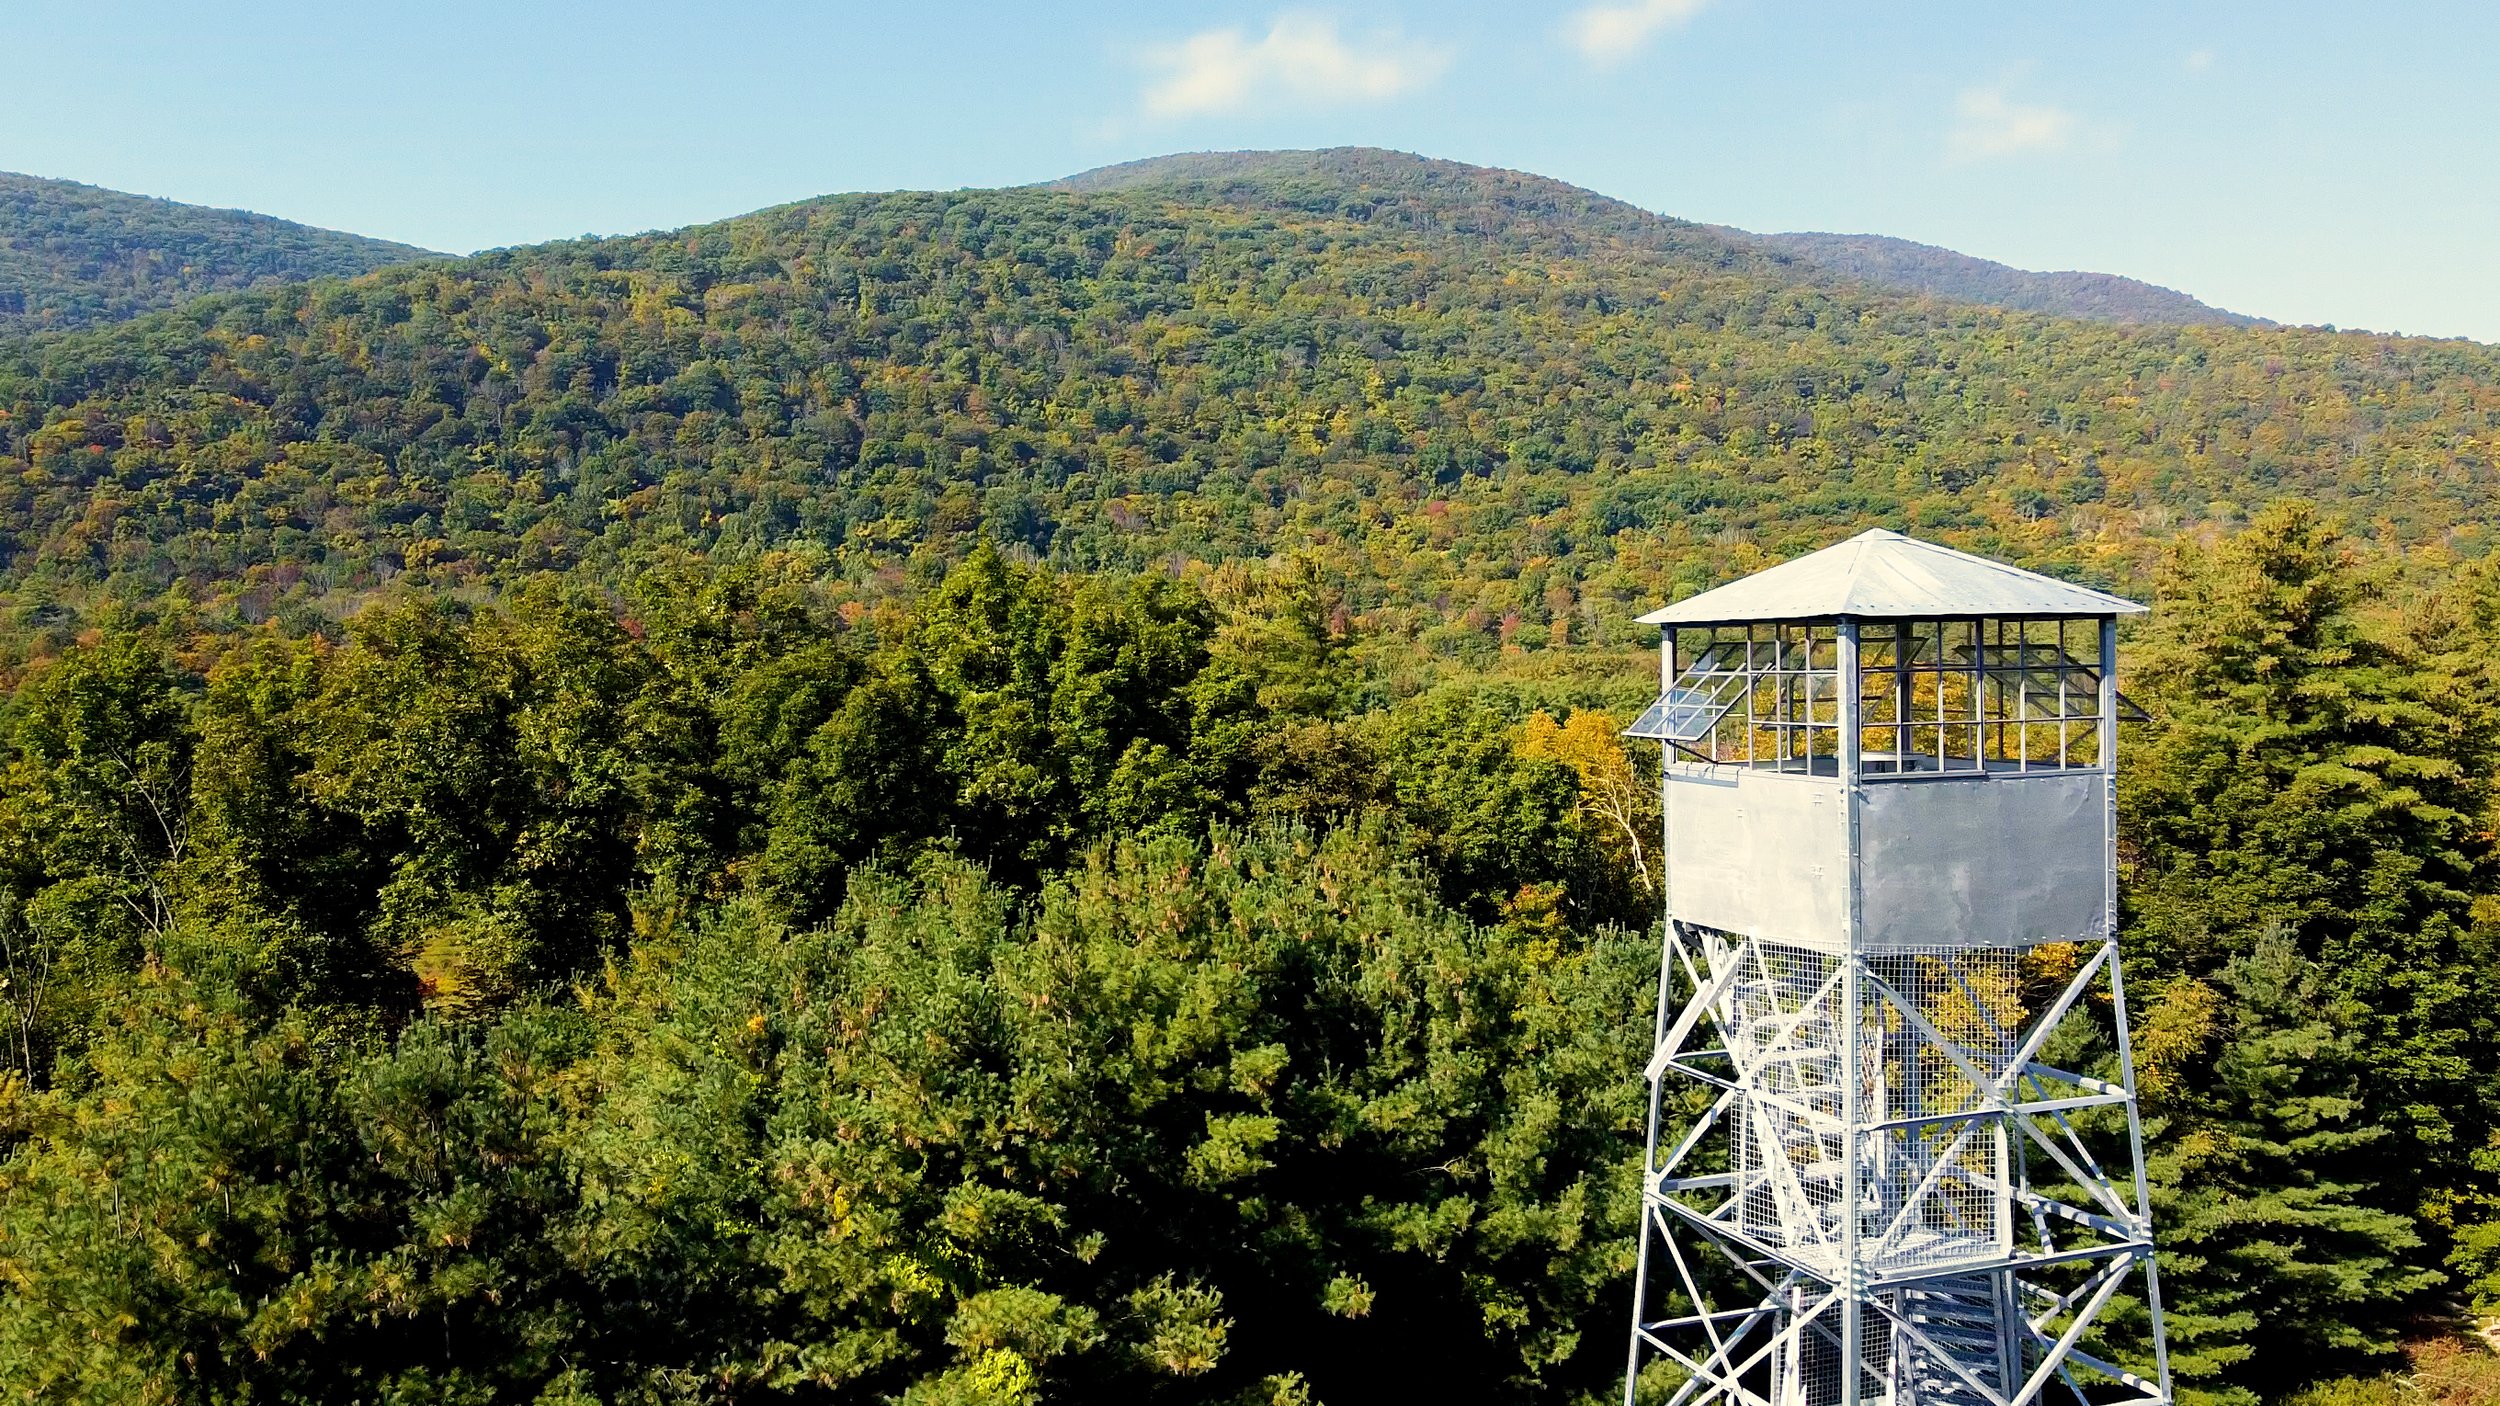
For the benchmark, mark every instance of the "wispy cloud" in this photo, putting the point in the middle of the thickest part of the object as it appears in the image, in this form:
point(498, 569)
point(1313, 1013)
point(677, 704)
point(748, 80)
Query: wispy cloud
point(1300, 59)
point(2200, 60)
point(1607, 35)
point(1989, 124)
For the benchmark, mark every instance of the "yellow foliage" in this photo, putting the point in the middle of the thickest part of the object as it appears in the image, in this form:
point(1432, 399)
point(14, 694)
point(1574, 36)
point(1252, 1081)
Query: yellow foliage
point(1612, 791)
point(2181, 1020)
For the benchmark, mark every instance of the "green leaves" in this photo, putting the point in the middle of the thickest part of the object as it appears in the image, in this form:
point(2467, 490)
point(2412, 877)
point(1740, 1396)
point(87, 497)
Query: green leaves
point(2302, 833)
point(887, 1004)
point(1019, 715)
point(1348, 1297)
point(1182, 1328)
point(96, 758)
point(228, 1210)
point(943, 1151)
point(2281, 1256)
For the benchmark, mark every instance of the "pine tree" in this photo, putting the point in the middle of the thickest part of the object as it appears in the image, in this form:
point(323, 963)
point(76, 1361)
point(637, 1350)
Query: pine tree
point(2308, 775)
point(2267, 1161)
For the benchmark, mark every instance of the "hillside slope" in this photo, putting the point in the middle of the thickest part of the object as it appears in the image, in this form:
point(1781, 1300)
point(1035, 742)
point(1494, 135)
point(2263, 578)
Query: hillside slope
point(72, 255)
point(1497, 411)
point(1909, 267)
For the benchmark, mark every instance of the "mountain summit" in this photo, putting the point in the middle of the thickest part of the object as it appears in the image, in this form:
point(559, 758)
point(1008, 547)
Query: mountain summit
point(1397, 188)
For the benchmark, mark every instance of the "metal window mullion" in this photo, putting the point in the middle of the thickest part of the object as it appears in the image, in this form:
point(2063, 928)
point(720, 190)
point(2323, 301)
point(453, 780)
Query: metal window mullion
point(1718, 744)
point(1809, 715)
point(2022, 696)
point(1753, 675)
point(1979, 694)
point(1777, 672)
point(1977, 683)
point(1940, 703)
point(2064, 704)
point(1903, 700)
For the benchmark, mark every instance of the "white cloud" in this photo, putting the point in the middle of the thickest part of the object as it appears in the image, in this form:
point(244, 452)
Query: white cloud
point(1607, 35)
point(2200, 60)
point(1990, 124)
point(1301, 58)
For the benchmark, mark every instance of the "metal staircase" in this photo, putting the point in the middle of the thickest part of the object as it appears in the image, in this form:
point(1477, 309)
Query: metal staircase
point(1956, 1316)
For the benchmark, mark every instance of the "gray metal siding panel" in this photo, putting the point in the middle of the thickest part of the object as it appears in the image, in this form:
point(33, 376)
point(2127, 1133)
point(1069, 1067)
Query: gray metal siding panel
point(1758, 852)
point(1984, 862)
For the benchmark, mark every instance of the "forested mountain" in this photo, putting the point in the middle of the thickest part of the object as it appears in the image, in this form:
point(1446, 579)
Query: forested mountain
point(1897, 265)
point(73, 254)
point(1003, 797)
point(1504, 412)
point(1909, 267)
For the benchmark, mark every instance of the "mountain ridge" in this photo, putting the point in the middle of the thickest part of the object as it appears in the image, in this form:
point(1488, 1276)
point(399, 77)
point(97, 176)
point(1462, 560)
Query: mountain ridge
point(1909, 266)
point(1499, 411)
point(74, 255)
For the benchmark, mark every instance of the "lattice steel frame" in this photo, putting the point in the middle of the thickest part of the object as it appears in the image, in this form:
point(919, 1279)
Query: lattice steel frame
point(1752, 1275)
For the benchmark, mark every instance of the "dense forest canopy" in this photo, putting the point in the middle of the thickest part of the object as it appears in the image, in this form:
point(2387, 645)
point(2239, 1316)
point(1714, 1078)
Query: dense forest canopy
point(72, 255)
point(1014, 797)
point(1500, 410)
point(1060, 985)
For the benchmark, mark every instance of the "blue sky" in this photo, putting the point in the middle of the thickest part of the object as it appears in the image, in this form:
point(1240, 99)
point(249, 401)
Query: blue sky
point(2308, 162)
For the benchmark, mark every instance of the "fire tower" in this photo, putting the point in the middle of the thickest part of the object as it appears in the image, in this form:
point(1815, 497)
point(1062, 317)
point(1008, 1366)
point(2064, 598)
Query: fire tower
point(1892, 879)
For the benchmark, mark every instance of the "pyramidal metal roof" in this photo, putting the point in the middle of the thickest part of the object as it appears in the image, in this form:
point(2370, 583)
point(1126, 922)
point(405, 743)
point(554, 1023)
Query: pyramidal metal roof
point(1882, 575)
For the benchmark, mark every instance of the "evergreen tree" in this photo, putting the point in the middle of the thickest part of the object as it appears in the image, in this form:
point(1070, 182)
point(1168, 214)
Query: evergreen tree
point(229, 1204)
point(2308, 776)
point(735, 1084)
point(2266, 1161)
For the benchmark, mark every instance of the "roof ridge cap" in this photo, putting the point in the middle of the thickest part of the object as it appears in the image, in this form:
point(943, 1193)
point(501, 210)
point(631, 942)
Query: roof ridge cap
point(1857, 563)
